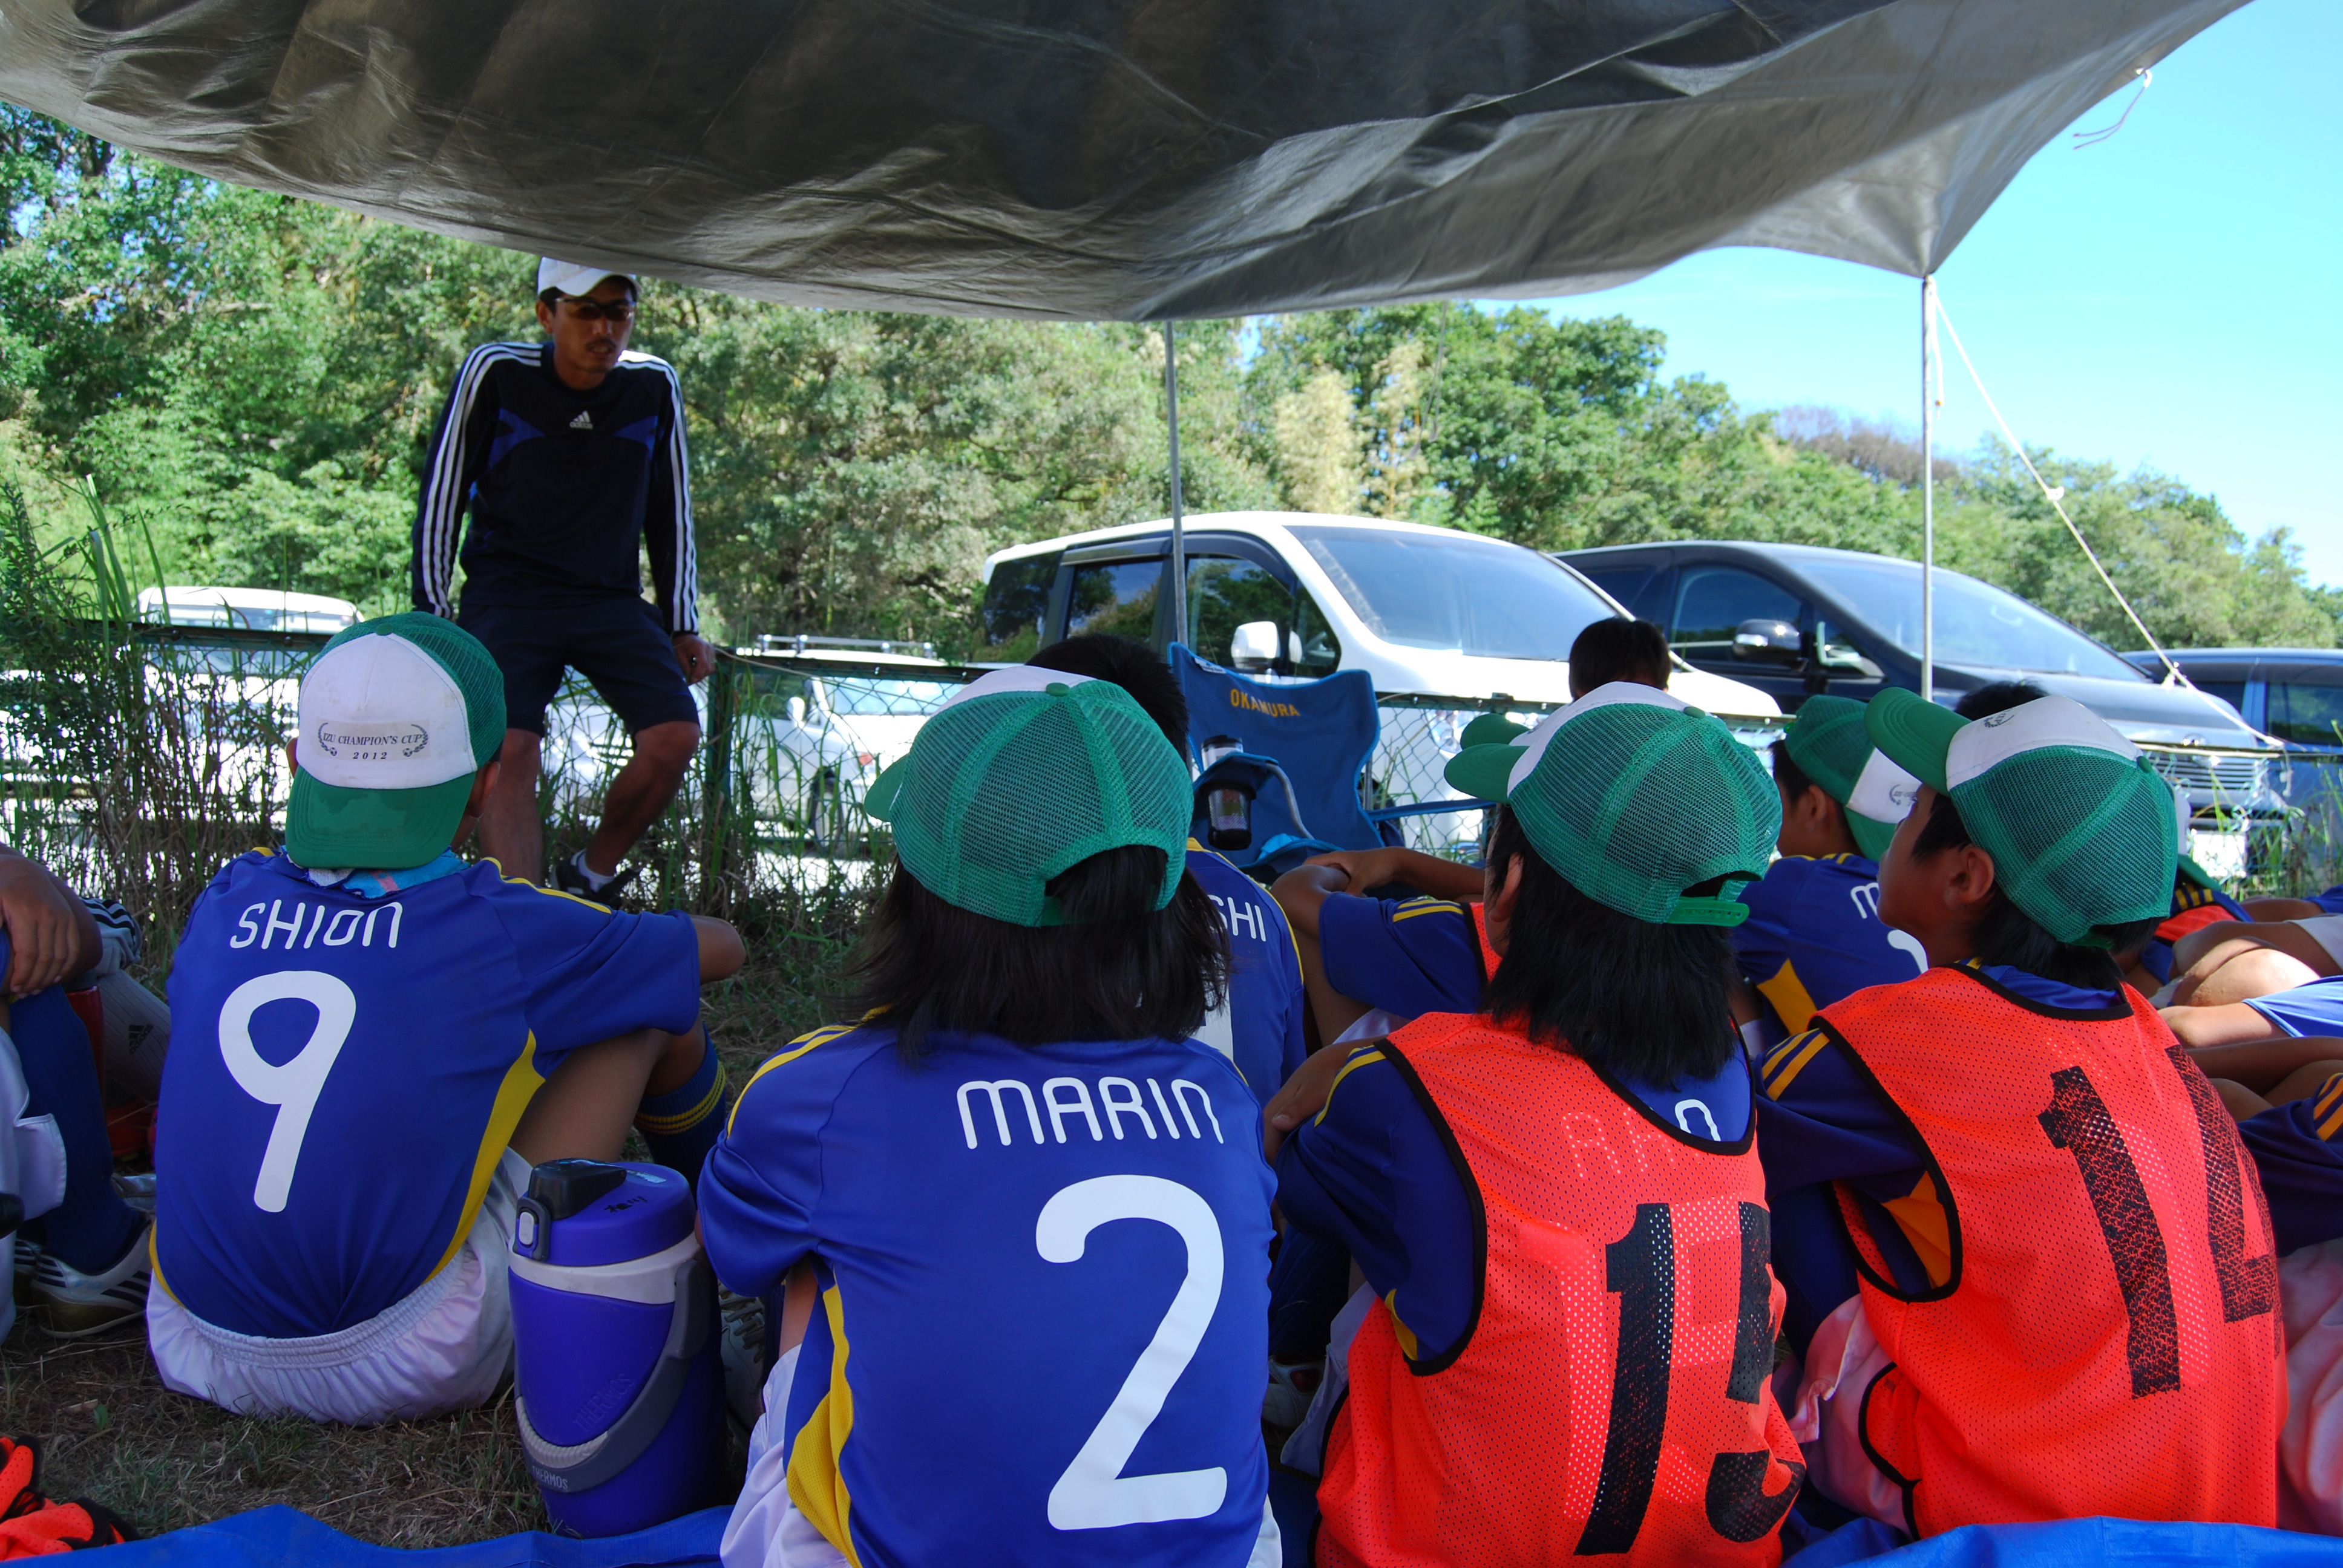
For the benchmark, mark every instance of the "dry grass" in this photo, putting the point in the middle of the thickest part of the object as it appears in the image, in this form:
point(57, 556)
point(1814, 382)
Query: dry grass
point(110, 1430)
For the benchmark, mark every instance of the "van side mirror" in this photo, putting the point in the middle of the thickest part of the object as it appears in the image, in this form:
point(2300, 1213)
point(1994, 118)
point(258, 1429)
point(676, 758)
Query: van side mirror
point(1255, 645)
point(797, 710)
point(1773, 642)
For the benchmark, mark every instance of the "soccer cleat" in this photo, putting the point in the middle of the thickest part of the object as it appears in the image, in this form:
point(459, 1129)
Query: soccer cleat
point(743, 1351)
point(570, 877)
point(28, 1259)
point(68, 1304)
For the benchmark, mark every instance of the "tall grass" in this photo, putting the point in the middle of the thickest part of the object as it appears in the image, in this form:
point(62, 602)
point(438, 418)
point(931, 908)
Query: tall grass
point(135, 761)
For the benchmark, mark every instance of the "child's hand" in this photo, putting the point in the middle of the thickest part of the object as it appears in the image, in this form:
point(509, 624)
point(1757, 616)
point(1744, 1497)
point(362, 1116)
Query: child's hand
point(1303, 1096)
point(1364, 867)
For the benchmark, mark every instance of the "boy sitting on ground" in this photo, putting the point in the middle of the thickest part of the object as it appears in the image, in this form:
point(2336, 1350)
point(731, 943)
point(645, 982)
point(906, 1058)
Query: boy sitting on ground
point(2040, 1186)
point(1033, 1206)
point(1260, 1024)
point(1813, 935)
point(81, 1266)
point(1577, 1153)
point(375, 1040)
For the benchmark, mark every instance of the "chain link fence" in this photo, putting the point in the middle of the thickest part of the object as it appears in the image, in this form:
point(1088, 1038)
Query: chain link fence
point(136, 760)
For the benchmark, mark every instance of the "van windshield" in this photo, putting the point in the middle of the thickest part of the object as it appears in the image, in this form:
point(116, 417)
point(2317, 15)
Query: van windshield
point(1975, 622)
point(1455, 591)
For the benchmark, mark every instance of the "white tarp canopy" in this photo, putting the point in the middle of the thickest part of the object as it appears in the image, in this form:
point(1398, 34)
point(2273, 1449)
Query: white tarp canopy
point(1111, 158)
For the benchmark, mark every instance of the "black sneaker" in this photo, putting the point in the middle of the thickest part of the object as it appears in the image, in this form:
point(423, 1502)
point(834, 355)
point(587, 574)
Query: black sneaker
point(570, 877)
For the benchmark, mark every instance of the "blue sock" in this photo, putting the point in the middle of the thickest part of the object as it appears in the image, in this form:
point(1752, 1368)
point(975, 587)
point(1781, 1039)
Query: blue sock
point(93, 1227)
point(681, 1125)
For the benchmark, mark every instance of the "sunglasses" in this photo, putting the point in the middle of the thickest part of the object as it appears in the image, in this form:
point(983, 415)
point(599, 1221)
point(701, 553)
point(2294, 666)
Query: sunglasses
point(615, 312)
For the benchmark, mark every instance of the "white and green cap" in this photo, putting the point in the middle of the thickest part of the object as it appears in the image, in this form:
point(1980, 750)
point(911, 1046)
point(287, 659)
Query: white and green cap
point(1633, 797)
point(396, 715)
point(1831, 747)
point(2080, 826)
point(1024, 774)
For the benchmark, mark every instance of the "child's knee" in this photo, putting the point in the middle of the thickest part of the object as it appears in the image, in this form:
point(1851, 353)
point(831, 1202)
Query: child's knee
point(2262, 971)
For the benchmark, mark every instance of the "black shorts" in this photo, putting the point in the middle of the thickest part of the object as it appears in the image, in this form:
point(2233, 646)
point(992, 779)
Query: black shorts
point(618, 644)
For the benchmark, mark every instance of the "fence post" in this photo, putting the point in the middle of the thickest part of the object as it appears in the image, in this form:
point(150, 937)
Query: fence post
point(716, 782)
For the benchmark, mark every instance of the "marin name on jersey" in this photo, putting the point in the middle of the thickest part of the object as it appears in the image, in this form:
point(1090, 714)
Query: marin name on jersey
point(314, 925)
point(1069, 1102)
point(1243, 917)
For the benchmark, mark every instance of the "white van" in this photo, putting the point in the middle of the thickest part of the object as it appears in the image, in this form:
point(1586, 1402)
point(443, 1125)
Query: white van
point(1435, 612)
point(246, 609)
point(1442, 621)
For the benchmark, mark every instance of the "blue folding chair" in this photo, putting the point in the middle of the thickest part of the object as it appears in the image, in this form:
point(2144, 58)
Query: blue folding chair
point(1303, 748)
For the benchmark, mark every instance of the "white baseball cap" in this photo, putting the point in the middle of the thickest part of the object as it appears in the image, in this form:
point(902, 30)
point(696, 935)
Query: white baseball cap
point(576, 278)
point(396, 715)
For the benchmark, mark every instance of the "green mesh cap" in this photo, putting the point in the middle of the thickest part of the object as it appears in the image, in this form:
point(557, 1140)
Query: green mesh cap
point(1491, 730)
point(396, 715)
point(1023, 774)
point(2079, 827)
point(1831, 747)
point(1634, 797)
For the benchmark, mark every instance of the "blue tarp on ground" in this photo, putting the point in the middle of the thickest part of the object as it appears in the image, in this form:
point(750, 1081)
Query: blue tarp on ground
point(286, 1537)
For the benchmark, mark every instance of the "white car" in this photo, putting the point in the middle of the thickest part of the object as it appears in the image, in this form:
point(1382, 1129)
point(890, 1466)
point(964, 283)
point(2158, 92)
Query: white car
point(1428, 613)
point(246, 609)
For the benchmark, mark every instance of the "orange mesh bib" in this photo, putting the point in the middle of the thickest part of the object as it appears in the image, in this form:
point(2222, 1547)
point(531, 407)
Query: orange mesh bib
point(2107, 1340)
point(1490, 958)
point(1610, 1396)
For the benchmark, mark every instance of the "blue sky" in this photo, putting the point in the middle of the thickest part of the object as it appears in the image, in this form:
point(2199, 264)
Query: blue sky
point(2172, 296)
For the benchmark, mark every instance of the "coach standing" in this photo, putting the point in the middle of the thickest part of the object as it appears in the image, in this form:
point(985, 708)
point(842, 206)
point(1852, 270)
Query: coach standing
point(569, 455)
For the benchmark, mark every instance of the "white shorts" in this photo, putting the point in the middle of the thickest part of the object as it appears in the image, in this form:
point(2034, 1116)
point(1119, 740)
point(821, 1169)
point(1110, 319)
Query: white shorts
point(2310, 1445)
point(765, 1530)
point(447, 1346)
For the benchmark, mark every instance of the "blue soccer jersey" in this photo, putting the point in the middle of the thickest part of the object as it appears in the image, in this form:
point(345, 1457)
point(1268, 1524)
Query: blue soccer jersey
point(346, 1072)
point(1405, 956)
point(1259, 1027)
point(1814, 937)
point(1045, 1298)
point(2301, 1165)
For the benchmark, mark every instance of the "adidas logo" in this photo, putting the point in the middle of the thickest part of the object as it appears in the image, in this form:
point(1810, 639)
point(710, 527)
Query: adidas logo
point(584, 421)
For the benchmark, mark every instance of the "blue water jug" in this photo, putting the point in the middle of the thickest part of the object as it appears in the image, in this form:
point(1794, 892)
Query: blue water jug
point(617, 1377)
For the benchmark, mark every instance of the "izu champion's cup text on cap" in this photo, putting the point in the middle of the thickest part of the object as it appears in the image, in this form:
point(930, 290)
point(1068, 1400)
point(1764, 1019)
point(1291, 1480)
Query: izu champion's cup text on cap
point(396, 716)
point(1635, 798)
point(1024, 774)
point(1831, 747)
point(2079, 824)
point(576, 279)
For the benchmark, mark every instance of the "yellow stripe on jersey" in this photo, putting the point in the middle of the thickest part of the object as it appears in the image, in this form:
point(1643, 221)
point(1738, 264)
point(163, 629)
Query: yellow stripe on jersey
point(1400, 1331)
point(1414, 906)
point(1788, 994)
point(2328, 1107)
point(1358, 1059)
point(155, 1266)
point(1793, 1058)
point(522, 1080)
point(1920, 1215)
point(786, 1055)
point(816, 1484)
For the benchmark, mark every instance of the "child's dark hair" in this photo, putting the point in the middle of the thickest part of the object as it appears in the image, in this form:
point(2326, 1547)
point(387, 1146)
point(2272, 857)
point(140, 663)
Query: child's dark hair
point(1642, 1001)
point(2008, 935)
point(1616, 649)
point(1136, 667)
point(1119, 968)
point(1788, 775)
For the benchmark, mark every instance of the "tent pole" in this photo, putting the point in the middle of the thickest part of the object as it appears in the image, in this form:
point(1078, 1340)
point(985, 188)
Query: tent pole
point(1179, 587)
point(1927, 490)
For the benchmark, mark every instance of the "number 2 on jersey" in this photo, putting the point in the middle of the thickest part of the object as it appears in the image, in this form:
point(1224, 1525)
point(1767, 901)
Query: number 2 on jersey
point(1093, 1493)
point(292, 1087)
